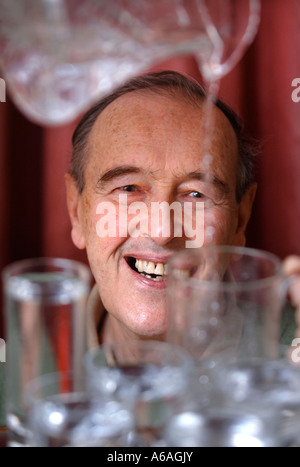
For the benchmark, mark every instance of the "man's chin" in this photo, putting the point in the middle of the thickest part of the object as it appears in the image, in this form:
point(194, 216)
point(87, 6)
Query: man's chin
point(155, 336)
point(143, 333)
point(123, 326)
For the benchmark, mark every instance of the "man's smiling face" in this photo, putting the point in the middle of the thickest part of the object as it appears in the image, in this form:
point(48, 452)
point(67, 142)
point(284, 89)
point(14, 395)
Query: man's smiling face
point(150, 147)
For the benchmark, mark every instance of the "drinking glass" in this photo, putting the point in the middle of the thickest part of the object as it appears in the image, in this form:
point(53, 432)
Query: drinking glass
point(225, 300)
point(45, 327)
point(225, 305)
point(263, 385)
point(223, 427)
point(150, 377)
point(62, 413)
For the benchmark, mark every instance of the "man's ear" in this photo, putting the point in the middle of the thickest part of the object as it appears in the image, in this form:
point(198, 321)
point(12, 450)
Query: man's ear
point(73, 199)
point(244, 213)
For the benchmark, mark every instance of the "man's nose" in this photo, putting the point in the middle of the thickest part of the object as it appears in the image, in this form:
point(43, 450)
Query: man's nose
point(164, 220)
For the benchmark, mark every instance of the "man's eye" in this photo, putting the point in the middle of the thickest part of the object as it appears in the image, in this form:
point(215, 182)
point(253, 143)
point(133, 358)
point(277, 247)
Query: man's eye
point(196, 194)
point(128, 188)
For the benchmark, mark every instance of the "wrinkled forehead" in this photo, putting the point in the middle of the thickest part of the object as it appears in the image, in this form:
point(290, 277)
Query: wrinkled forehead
point(157, 117)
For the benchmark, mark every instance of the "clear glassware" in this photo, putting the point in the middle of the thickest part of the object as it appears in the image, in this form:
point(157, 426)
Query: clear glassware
point(225, 305)
point(150, 377)
point(231, 26)
point(61, 413)
point(261, 385)
point(223, 427)
point(59, 56)
point(45, 327)
point(226, 300)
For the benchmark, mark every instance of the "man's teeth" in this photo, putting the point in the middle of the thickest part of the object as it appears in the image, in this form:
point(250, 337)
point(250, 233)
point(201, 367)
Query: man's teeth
point(148, 267)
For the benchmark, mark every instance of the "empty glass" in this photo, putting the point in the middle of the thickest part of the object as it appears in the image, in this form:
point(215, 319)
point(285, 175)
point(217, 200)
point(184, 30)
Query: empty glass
point(150, 377)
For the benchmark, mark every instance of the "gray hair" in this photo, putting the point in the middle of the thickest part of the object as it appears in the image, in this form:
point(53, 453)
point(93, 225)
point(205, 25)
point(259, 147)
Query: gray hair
point(173, 83)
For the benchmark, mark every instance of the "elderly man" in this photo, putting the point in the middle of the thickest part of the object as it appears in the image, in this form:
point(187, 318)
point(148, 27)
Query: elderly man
point(154, 140)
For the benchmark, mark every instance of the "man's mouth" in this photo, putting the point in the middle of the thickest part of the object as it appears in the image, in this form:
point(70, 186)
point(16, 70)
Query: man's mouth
point(154, 271)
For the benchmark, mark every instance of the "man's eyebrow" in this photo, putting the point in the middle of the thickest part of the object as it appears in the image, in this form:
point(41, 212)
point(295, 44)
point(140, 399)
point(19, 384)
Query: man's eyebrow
point(208, 177)
point(117, 172)
point(129, 169)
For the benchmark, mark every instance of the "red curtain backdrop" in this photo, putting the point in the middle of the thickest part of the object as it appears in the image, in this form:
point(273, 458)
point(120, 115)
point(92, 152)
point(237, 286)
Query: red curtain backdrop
point(34, 159)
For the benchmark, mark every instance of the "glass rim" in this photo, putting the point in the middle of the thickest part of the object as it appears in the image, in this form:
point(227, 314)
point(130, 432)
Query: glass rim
point(236, 285)
point(11, 269)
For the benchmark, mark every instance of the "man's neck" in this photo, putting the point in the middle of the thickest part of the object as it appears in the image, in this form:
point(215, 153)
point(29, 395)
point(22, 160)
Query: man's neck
point(113, 331)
